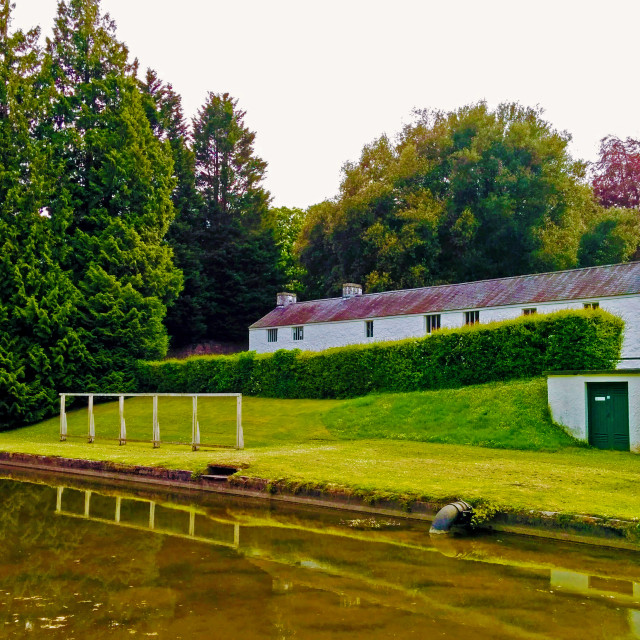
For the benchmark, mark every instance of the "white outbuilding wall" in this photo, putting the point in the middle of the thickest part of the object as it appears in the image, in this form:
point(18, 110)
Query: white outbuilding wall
point(567, 395)
point(319, 336)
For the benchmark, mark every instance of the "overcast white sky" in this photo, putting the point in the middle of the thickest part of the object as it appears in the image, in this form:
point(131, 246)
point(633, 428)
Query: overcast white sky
point(318, 80)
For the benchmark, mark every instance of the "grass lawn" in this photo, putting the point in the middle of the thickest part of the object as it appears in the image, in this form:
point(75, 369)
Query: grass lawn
point(429, 451)
point(511, 415)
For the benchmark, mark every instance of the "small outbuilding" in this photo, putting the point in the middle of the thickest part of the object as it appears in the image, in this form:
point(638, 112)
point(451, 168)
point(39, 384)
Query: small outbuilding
point(599, 407)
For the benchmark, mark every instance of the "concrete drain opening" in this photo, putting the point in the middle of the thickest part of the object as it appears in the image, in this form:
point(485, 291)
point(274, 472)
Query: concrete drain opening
point(219, 473)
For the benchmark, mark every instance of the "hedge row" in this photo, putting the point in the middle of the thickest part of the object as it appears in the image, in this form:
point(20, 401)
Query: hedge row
point(527, 346)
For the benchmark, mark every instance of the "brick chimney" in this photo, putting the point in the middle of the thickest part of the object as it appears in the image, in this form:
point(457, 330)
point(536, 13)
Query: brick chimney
point(349, 290)
point(285, 299)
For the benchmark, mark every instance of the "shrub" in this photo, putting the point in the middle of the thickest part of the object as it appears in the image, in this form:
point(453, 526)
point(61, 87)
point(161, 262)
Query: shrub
point(525, 347)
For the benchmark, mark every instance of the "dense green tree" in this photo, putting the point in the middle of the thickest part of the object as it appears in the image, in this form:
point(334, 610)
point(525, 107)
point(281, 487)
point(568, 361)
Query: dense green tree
point(41, 346)
point(238, 252)
point(464, 195)
point(381, 231)
point(613, 237)
point(614, 232)
point(508, 183)
point(229, 174)
point(314, 249)
point(222, 236)
point(85, 204)
point(286, 224)
point(187, 317)
point(112, 201)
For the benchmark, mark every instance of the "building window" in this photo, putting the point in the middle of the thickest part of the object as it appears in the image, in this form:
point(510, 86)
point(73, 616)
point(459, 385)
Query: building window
point(529, 312)
point(272, 335)
point(433, 322)
point(471, 317)
point(298, 333)
point(591, 305)
point(369, 328)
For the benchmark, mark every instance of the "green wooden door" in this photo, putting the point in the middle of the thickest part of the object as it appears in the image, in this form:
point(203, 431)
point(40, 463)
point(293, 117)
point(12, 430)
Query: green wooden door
point(608, 406)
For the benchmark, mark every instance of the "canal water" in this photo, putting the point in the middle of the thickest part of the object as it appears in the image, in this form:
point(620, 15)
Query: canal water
point(87, 560)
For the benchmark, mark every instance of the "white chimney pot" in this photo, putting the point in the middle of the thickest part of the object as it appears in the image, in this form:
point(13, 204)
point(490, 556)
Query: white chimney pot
point(285, 299)
point(350, 289)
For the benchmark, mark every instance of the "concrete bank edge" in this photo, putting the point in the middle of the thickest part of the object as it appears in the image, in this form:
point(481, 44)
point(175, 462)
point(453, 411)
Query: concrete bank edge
point(612, 532)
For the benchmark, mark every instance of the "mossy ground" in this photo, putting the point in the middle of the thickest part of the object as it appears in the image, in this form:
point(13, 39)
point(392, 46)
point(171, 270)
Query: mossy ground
point(338, 443)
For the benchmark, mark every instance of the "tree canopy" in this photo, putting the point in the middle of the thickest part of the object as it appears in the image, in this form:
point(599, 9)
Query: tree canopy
point(614, 232)
point(186, 319)
point(221, 238)
point(616, 174)
point(112, 200)
point(464, 195)
point(85, 197)
point(286, 224)
point(612, 237)
point(41, 345)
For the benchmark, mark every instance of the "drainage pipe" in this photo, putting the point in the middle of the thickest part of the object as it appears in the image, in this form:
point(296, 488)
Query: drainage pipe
point(454, 514)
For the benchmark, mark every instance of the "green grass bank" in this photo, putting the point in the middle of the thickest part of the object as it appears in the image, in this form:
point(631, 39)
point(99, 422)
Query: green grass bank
point(489, 443)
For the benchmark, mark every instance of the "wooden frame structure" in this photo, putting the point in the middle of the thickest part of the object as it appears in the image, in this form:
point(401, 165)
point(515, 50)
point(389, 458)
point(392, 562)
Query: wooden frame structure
point(122, 439)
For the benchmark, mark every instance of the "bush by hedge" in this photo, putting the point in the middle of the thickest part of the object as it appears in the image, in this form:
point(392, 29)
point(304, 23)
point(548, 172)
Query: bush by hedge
point(525, 347)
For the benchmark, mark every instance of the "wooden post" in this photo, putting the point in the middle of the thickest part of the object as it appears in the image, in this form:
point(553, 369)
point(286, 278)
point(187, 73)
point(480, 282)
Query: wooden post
point(92, 424)
point(63, 419)
point(195, 427)
point(59, 499)
point(87, 503)
point(152, 515)
point(236, 535)
point(123, 427)
point(192, 522)
point(118, 505)
point(156, 425)
point(239, 433)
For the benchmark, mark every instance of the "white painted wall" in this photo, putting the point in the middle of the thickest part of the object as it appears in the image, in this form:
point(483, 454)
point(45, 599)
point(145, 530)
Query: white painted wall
point(567, 395)
point(627, 308)
point(321, 336)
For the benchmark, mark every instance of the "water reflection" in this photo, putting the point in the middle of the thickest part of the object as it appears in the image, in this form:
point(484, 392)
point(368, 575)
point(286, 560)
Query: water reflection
point(82, 559)
point(148, 515)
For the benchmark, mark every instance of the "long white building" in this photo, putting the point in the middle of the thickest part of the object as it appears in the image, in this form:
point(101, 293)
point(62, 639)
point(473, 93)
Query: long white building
point(355, 318)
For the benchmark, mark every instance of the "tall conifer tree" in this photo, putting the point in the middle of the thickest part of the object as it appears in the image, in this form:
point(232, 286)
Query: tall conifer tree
point(239, 253)
point(40, 346)
point(186, 318)
point(113, 195)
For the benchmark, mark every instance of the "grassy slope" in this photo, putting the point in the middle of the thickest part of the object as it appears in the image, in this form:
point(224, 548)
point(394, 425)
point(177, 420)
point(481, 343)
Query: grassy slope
point(304, 441)
point(505, 415)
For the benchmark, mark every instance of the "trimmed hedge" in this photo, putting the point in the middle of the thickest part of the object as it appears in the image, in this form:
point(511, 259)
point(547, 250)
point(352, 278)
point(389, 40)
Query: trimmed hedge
point(524, 347)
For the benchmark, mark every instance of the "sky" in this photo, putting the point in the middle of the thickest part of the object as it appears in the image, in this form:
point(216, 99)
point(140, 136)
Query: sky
point(319, 80)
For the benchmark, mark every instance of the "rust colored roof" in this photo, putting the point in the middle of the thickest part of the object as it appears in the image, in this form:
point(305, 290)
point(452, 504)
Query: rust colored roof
point(575, 284)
